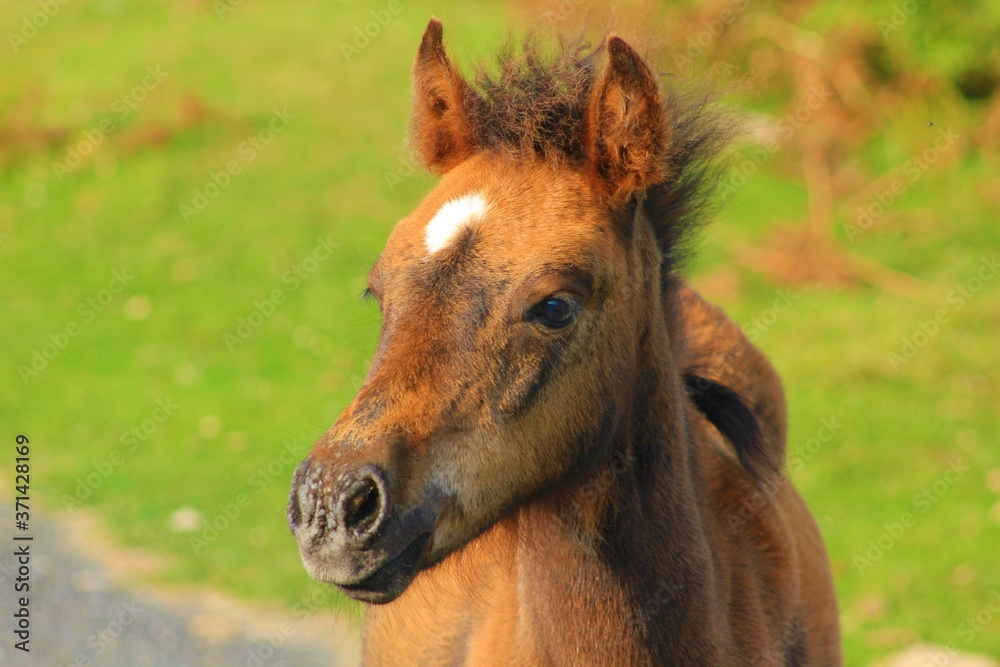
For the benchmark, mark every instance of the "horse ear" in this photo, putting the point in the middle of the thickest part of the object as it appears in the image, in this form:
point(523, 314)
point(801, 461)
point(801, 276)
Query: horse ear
point(625, 124)
point(441, 129)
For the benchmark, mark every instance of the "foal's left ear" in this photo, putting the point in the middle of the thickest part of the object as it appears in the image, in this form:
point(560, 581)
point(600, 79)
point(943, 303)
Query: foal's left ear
point(441, 128)
point(625, 124)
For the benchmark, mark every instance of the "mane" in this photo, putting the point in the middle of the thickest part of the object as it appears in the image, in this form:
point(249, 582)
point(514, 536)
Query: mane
point(531, 102)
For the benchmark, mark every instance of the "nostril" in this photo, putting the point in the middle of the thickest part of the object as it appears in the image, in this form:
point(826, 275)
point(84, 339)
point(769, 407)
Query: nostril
point(362, 506)
point(355, 511)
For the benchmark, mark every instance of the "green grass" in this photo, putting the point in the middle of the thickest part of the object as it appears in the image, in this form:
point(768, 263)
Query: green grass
point(324, 175)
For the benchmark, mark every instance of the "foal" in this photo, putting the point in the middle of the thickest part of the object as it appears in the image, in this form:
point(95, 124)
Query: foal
point(561, 455)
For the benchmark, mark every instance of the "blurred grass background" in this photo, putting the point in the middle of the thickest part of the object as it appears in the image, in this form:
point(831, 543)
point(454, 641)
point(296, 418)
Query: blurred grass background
point(869, 432)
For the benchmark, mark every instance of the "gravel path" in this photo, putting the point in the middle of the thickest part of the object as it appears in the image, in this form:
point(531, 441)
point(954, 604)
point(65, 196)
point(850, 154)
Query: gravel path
point(81, 618)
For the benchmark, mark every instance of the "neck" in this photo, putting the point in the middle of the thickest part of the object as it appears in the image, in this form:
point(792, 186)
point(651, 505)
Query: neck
point(629, 538)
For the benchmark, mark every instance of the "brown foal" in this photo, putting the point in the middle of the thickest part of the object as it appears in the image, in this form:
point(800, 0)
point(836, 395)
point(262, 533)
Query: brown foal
point(562, 455)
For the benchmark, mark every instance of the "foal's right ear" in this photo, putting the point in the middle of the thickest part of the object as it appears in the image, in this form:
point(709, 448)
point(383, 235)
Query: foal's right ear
point(441, 129)
point(625, 126)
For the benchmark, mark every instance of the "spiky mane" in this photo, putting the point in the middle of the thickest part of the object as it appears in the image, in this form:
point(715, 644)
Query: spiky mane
point(531, 102)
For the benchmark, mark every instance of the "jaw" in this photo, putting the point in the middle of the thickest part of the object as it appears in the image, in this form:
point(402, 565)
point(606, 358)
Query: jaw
point(391, 578)
point(380, 570)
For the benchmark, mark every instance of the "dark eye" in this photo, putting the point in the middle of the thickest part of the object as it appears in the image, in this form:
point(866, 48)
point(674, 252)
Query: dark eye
point(555, 313)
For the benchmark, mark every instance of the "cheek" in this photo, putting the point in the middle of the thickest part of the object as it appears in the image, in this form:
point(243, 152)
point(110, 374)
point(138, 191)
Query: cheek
point(495, 470)
point(524, 369)
point(545, 410)
point(552, 407)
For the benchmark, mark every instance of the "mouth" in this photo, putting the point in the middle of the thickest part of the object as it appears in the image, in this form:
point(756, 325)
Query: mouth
point(391, 578)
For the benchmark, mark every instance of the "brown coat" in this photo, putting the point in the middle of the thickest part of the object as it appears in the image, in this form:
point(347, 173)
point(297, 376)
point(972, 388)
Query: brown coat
point(561, 455)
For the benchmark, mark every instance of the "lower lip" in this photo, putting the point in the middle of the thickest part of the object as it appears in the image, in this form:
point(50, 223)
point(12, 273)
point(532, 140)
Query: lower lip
point(379, 586)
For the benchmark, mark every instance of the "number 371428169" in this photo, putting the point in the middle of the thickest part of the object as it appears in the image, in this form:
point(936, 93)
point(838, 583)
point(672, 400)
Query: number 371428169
point(22, 477)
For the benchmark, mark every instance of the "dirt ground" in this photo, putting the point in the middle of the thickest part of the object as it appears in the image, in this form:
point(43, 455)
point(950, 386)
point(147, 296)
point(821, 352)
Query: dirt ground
point(88, 608)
